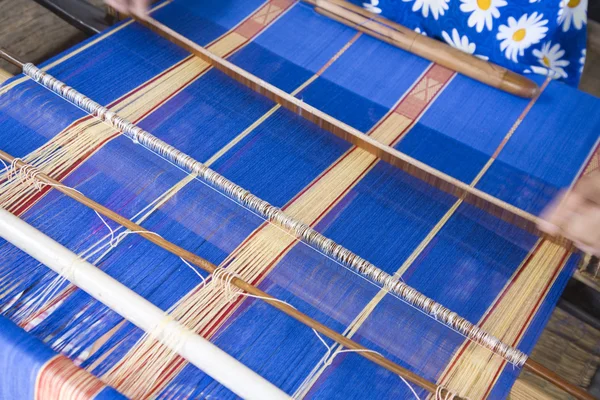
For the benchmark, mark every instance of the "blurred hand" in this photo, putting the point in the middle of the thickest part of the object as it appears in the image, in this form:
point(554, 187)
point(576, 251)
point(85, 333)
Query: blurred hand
point(130, 7)
point(576, 215)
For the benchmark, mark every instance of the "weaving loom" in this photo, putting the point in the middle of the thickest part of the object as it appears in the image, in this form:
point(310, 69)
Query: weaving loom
point(363, 228)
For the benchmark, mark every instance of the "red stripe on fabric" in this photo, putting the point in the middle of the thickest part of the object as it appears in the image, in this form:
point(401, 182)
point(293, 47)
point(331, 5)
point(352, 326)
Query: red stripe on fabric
point(425, 90)
point(262, 18)
point(412, 106)
point(60, 378)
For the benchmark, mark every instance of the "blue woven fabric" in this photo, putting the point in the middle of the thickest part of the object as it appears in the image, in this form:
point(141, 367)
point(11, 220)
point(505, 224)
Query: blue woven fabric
point(383, 215)
point(22, 358)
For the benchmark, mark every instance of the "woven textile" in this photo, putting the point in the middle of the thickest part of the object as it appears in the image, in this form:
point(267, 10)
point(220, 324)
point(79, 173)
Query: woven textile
point(487, 270)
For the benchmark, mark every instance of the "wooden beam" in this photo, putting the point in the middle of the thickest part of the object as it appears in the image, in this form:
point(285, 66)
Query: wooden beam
point(430, 49)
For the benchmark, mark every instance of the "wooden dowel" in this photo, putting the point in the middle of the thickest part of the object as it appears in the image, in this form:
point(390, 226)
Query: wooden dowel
point(386, 153)
point(10, 58)
point(253, 290)
point(428, 48)
point(552, 377)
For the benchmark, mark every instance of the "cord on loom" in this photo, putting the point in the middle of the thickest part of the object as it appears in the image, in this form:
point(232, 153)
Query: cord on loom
point(224, 277)
point(329, 360)
point(195, 271)
point(169, 330)
point(226, 286)
point(439, 395)
point(276, 216)
point(28, 174)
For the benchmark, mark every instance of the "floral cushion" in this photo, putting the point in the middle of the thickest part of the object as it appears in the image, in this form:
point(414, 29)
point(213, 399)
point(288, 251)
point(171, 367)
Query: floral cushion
point(545, 37)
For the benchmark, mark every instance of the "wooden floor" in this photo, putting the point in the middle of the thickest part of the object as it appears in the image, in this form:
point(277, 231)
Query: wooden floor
point(567, 345)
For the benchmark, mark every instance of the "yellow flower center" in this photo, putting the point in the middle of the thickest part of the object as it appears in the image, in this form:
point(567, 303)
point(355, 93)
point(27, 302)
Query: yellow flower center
point(485, 4)
point(546, 61)
point(519, 35)
point(573, 3)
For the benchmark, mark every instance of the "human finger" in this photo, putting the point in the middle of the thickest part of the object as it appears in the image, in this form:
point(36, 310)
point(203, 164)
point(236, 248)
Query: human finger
point(140, 7)
point(584, 228)
point(589, 187)
point(121, 6)
point(559, 212)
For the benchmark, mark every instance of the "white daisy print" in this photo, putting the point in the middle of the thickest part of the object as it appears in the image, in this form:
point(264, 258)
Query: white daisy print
point(437, 7)
point(582, 60)
point(551, 59)
point(542, 71)
point(482, 12)
point(372, 7)
point(572, 11)
point(420, 32)
point(461, 43)
point(521, 34)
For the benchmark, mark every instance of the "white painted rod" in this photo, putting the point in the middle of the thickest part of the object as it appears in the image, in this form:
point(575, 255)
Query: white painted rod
point(203, 354)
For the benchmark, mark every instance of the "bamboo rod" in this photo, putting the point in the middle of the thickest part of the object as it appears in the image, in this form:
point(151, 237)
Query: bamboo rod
point(10, 58)
point(552, 377)
point(438, 179)
point(241, 284)
point(433, 50)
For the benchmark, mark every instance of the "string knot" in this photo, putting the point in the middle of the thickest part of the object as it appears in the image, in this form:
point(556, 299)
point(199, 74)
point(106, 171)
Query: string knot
point(170, 332)
point(442, 393)
point(25, 174)
point(223, 278)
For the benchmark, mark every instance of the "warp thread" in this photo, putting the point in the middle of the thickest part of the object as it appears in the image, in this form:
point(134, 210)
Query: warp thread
point(278, 217)
point(168, 331)
point(328, 359)
point(171, 333)
point(439, 395)
point(29, 175)
point(223, 278)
